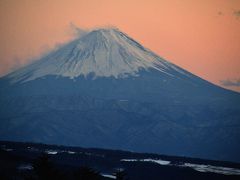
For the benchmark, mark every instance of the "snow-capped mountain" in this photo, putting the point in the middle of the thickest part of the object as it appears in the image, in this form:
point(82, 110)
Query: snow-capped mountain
point(106, 90)
point(103, 52)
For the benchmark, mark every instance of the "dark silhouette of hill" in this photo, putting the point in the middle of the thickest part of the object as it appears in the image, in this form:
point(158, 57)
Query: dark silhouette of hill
point(41, 161)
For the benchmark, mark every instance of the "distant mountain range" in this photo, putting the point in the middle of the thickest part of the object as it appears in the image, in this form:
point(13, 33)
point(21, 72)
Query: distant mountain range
point(106, 90)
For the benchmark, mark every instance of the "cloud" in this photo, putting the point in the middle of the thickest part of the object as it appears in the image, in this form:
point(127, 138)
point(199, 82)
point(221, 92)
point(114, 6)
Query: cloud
point(236, 13)
point(220, 13)
point(229, 82)
point(17, 61)
point(76, 31)
point(72, 30)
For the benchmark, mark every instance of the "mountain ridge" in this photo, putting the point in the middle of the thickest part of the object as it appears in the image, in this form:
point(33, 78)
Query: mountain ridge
point(102, 52)
point(145, 111)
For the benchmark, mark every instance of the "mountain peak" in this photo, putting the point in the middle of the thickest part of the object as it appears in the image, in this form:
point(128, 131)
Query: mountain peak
point(107, 30)
point(105, 52)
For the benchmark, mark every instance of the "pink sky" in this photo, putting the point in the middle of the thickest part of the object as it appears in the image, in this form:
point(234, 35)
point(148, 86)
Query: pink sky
point(202, 36)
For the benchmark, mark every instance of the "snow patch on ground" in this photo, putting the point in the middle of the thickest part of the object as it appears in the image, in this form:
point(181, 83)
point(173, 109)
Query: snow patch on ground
point(214, 169)
point(6, 149)
point(161, 162)
point(158, 161)
point(196, 167)
point(51, 152)
point(71, 152)
point(25, 167)
point(109, 176)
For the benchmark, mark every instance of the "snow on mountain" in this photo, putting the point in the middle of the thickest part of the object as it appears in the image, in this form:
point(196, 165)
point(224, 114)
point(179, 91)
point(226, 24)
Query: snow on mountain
point(123, 96)
point(102, 53)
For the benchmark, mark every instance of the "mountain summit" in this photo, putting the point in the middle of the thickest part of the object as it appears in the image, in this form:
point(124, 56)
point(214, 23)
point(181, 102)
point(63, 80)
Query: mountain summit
point(102, 53)
point(106, 90)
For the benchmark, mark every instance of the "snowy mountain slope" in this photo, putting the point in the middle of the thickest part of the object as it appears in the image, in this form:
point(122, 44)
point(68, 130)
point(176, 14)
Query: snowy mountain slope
point(103, 52)
point(106, 90)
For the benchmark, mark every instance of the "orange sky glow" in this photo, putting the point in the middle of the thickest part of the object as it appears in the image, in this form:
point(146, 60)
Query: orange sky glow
point(202, 36)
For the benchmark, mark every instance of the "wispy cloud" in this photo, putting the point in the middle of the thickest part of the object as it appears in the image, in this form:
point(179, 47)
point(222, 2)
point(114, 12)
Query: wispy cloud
point(76, 31)
point(236, 13)
point(220, 13)
point(229, 82)
point(71, 31)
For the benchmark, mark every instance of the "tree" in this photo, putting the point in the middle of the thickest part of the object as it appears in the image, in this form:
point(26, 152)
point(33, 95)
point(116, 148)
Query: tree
point(44, 169)
point(87, 173)
point(120, 174)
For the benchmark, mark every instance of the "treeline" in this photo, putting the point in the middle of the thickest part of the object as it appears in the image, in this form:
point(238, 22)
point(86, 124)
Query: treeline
point(45, 169)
